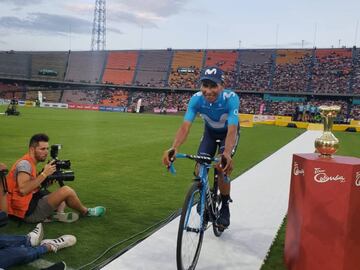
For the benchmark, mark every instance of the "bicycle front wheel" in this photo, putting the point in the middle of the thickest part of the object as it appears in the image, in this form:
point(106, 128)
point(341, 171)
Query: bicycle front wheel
point(190, 233)
point(216, 199)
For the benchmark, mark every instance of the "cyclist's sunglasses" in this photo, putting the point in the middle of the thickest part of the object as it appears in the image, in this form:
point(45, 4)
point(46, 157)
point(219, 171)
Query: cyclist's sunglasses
point(208, 84)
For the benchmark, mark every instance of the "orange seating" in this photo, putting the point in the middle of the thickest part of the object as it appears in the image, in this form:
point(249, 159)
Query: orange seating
point(120, 67)
point(118, 76)
point(323, 54)
point(224, 59)
point(290, 56)
point(186, 59)
point(116, 98)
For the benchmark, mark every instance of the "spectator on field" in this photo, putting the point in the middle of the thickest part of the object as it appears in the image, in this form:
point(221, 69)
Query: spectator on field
point(22, 249)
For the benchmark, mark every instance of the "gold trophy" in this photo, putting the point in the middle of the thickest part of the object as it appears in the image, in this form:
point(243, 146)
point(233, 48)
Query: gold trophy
point(327, 144)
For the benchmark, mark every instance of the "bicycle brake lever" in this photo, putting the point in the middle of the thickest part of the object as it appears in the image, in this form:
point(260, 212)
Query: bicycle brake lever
point(171, 168)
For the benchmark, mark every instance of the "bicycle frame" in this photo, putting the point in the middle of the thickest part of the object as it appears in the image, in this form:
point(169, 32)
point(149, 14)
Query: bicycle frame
point(205, 195)
point(203, 200)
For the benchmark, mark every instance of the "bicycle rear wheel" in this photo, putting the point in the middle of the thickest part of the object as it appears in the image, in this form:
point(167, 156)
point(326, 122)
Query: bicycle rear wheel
point(190, 233)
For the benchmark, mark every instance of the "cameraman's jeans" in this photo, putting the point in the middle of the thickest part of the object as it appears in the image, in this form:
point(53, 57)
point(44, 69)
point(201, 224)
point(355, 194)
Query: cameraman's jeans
point(16, 249)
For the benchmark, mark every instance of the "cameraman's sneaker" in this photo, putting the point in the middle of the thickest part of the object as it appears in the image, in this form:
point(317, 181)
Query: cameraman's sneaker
point(36, 235)
point(224, 218)
point(59, 243)
point(97, 211)
point(65, 217)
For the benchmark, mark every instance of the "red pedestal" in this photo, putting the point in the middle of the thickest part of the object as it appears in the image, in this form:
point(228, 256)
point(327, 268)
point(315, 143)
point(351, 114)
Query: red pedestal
point(323, 226)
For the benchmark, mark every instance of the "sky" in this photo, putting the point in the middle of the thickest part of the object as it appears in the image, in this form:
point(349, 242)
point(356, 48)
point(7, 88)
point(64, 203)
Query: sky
point(60, 25)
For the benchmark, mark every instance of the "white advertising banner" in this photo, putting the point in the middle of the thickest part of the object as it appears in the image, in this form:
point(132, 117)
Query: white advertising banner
point(54, 105)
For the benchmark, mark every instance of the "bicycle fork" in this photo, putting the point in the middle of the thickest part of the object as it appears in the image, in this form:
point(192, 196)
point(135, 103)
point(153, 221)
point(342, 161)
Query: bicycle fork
point(207, 204)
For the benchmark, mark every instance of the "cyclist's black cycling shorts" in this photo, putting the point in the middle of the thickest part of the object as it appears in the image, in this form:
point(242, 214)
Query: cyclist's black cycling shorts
point(212, 141)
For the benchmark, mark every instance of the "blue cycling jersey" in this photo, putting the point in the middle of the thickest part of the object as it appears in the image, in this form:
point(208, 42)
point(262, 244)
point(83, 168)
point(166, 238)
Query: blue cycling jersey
point(217, 115)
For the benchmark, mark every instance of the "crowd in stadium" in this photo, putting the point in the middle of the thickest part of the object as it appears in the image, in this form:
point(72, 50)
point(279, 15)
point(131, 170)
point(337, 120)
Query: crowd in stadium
point(250, 103)
point(331, 73)
point(188, 79)
point(292, 77)
point(251, 73)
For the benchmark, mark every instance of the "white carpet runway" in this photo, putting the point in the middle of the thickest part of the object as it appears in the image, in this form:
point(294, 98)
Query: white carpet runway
point(260, 203)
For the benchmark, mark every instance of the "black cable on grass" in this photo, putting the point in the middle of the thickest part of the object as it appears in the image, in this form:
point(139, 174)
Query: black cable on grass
point(157, 225)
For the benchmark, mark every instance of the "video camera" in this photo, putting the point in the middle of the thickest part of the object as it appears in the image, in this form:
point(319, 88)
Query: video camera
point(3, 174)
point(63, 172)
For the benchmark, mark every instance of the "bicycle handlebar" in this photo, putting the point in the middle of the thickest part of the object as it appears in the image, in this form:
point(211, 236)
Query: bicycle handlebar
point(197, 157)
point(192, 157)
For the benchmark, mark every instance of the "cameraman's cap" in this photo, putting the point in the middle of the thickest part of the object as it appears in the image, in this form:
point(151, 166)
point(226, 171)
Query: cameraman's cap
point(214, 74)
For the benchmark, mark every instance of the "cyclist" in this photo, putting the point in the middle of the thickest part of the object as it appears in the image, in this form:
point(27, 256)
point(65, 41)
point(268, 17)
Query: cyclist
point(219, 109)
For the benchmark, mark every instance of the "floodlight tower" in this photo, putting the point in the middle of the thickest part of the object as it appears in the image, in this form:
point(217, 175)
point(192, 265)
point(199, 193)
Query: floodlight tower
point(98, 40)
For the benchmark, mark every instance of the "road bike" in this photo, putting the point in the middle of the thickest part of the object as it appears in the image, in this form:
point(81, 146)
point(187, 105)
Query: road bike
point(201, 208)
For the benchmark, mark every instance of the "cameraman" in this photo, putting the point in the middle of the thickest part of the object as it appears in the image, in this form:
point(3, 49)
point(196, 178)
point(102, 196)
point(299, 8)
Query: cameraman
point(25, 199)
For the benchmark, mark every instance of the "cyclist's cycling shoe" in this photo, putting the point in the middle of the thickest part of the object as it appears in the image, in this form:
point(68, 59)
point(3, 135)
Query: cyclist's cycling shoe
point(223, 220)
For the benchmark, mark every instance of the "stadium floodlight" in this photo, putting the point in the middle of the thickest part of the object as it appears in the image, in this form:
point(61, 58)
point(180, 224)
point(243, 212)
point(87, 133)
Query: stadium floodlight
point(98, 39)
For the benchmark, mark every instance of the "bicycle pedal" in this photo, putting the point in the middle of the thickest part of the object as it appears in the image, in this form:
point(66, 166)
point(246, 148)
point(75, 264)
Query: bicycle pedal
point(221, 227)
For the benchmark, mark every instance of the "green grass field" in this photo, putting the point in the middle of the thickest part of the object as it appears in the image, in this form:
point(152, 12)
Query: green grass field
point(117, 162)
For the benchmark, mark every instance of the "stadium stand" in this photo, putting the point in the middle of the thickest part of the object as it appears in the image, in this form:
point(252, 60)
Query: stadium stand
point(292, 70)
point(150, 99)
point(48, 96)
point(177, 101)
point(7, 91)
point(4, 87)
point(281, 108)
point(355, 112)
point(32, 95)
point(227, 61)
point(331, 71)
point(152, 69)
point(316, 77)
point(356, 72)
point(85, 67)
point(81, 96)
point(111, 97)
point(250, 103)
point(168, 100)
point(120, 67)
point(185, 69)
point(49, 65)
point(15, 64)
point(255, 70)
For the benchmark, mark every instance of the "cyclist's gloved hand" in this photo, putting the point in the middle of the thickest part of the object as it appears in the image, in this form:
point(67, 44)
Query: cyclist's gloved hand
point(226, 164)
point(169, 157)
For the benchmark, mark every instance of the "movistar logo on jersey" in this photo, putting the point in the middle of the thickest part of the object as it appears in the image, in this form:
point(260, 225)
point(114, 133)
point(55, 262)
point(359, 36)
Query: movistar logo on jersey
point(221, 123)
point(227, 95)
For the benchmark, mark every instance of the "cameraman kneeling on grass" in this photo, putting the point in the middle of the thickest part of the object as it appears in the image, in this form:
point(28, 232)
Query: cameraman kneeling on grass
point(25, 199)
